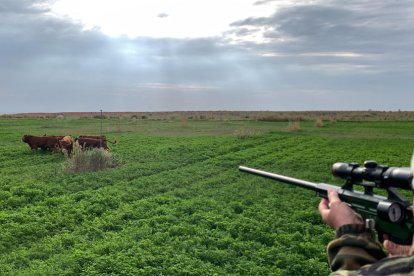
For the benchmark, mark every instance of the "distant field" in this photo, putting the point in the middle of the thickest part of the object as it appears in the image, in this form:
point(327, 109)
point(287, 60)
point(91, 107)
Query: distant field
point(281, 116)
point(177, 204)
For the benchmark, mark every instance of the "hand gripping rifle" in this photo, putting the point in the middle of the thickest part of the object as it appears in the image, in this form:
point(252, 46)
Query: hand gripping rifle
point(391, 215)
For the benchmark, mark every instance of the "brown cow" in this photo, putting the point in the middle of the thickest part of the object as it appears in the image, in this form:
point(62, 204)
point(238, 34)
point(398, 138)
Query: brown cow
point(66, 144)
point(42, 142)
point(57, 137)
point(89, 143)
point(103, 137)
point(93, 136)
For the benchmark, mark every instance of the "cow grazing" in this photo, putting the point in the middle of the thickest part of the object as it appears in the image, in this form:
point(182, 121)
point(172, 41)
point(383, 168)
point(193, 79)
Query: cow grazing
point(66, 144)
point(59, 136)
point(89, 143)
point(42, 142)
point(93, 136)
point(103, 137)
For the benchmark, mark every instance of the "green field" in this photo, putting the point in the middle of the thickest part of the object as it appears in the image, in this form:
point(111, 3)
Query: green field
point(177, 204)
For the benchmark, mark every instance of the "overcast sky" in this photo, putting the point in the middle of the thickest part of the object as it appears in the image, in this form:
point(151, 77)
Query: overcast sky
point(171, 55)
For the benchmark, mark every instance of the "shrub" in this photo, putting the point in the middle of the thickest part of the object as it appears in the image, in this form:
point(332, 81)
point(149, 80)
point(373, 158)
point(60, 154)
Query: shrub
point(90, 160)
point(319, 123)
point(184, 121)
point(245, 133)
point(293, 126)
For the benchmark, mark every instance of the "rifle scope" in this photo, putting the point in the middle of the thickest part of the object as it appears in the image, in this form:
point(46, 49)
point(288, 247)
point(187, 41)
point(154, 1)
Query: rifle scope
point(381, 176)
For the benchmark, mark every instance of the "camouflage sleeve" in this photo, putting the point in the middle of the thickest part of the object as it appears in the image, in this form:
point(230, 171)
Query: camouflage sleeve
point(354, 247)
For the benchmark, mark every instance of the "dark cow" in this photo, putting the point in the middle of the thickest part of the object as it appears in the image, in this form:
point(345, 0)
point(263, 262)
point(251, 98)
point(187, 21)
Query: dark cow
point(42, 142)
point(59, 136)
point(103, 137)
point(89, 143)
point(93, 136)
point(66, 144)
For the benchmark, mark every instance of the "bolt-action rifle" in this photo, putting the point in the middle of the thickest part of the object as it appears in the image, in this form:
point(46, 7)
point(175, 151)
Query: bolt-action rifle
point(391, 215)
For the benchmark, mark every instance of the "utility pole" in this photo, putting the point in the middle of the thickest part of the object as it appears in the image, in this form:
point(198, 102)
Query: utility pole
point(100, 140)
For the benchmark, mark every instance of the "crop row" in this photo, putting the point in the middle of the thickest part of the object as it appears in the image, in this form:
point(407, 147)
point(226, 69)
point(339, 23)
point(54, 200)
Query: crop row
point(179, 205)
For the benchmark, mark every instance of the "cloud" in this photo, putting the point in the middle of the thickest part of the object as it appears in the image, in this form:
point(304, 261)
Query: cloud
point(24, 6)
point(163, 15)
point(173, 87)
point(44, 58)
point(378, 33)
point(358, 53)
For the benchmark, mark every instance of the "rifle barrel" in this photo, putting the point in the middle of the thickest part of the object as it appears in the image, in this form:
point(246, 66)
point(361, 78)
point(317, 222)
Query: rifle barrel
point(286, 179)
point(320, 188)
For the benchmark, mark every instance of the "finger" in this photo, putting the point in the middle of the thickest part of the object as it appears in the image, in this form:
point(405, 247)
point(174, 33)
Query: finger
point(396, 249)
point(333, 196)
point(324, 204)
point(324, 208)
point(389, 245)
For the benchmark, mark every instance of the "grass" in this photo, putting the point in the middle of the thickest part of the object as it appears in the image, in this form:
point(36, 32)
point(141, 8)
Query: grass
point(178, 204)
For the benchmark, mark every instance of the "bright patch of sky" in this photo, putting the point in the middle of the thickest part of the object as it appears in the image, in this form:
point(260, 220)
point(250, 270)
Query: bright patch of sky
point(159, 18)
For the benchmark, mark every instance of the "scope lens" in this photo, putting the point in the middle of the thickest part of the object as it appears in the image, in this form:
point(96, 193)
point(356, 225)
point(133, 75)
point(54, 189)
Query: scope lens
point(398, 177)
point(347, 170)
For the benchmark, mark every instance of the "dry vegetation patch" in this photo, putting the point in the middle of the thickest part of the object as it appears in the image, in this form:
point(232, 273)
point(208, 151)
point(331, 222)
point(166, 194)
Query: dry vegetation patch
point(293, 126)
point(92, 160)
point(319, 123)
point(246, 133)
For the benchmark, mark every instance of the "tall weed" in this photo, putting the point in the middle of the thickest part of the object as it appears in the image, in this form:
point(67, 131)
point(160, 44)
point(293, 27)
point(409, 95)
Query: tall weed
point(245, 133)
point(319, 123)
point(90, 160)
point(293, 126)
